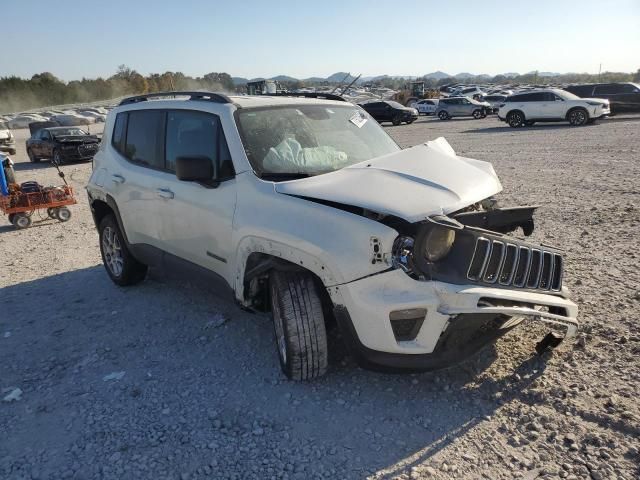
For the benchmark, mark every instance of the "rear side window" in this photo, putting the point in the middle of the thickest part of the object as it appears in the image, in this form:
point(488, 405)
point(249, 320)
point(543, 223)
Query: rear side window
point(607, 89)
point(145, 138)
point(197, 134)
point(119, 131)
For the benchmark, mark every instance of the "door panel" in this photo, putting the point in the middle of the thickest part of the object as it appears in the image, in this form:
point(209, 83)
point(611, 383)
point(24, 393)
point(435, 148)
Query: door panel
point(197, 222)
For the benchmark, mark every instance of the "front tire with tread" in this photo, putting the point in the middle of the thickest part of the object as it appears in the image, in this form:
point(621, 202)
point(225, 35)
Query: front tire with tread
point(112, 243)
point(298, 319)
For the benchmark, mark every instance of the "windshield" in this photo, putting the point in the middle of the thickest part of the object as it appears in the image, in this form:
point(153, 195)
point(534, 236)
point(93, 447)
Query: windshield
point(306, 140)
point(395, 104)
point(566, 95)
point(68, 131)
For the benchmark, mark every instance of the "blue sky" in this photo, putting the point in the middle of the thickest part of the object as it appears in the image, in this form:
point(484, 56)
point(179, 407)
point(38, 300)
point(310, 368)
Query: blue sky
point(88, 38)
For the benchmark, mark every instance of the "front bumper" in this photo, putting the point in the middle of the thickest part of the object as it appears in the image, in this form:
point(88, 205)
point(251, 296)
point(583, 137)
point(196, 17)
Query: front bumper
point(460, 319)
point(8, 146)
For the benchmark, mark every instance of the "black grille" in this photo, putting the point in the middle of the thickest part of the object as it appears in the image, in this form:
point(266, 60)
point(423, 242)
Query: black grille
point(515, 265)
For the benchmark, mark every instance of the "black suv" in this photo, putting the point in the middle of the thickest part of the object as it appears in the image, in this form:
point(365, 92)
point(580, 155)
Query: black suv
point(622, 96)
point(389, 111)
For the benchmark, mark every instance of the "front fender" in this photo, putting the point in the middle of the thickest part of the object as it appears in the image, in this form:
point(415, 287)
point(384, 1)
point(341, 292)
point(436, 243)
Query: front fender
point(335, 245)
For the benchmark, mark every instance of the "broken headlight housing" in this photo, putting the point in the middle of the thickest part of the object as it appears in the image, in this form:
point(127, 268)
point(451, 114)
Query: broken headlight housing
point(432, 243)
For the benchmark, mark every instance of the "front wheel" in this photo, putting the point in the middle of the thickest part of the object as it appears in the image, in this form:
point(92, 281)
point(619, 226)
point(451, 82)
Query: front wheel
point(32, 156)
point(477, 114)
point(578, 117)
point(121, 266)
point(63, 214)
point(298, 322)
point(515, 119)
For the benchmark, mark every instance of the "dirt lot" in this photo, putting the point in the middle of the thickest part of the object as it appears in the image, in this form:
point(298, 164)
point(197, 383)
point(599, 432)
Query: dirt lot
point(166, 380)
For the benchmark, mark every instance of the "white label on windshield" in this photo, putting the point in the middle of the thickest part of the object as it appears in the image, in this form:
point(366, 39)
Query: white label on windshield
point(358, 119)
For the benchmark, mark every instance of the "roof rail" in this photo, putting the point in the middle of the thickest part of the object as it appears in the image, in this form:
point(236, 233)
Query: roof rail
point(323, 96)
point(207, 96)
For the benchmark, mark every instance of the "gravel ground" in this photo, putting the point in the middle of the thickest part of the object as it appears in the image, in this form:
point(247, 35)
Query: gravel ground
point(167, 380)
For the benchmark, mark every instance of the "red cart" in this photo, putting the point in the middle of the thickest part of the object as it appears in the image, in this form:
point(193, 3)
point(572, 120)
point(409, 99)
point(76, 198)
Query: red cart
point(22, 200)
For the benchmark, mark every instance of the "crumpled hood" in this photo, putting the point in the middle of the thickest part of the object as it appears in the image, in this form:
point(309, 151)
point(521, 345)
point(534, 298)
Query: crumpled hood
point(412, 184)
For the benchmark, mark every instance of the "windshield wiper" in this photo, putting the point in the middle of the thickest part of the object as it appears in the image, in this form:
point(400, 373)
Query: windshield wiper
point(280, 176)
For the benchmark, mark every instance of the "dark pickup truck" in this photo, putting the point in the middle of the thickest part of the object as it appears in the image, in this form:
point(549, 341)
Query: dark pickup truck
point(623, 97)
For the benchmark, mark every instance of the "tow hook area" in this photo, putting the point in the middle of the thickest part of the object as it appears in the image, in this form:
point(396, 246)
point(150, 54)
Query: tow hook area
point(549, 342)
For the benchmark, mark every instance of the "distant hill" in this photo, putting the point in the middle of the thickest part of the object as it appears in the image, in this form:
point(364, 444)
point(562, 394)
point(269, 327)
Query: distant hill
point(284, 78)
point(463, 75)
point(239, 80)
point(340, 77)
point(438, 75)
point(543, 74)
point(510, 74)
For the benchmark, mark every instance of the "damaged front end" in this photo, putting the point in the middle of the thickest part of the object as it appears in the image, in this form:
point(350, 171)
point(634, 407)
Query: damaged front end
point(460, 276)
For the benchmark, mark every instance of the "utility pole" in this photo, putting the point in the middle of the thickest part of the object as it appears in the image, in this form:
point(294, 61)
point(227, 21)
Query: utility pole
point(599, 72)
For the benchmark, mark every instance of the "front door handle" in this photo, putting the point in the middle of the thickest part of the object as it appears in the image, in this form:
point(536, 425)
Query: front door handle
point(165, 193)
point(117, 178)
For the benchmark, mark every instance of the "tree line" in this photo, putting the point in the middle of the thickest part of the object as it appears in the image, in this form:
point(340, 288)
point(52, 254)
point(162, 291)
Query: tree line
point(45, 89)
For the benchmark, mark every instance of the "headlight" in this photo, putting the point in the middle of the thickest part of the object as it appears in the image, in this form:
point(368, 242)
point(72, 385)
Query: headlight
point(434, 242)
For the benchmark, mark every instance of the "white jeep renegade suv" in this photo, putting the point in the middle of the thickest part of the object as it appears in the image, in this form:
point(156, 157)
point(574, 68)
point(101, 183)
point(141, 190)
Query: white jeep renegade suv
point(552, 105)
point(306, 208)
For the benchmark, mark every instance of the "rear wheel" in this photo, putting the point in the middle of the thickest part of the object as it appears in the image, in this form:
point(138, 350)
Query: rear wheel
point(477, 114)
point(443, 115)
point(21, 220)
point(121, 266)
point(578, 117)
point(52, 212)
point(298, 322)
point(515, 119)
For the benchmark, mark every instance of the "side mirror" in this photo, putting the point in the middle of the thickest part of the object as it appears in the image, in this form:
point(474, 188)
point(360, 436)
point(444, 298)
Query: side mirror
point(194, 169)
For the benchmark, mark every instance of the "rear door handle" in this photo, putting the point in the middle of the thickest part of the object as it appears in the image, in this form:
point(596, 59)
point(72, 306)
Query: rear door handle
point(117, 178)
point(165, 193)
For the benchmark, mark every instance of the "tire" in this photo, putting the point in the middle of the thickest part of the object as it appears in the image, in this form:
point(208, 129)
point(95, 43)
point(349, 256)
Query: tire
point(515, 119)
point(397, 120)
point(443, 115)
point(52, 212)
point(32, 156)
point(120, 265)
point(56, 157)
point(477, 114)
point(578, 117)
point(298, 320)
point(63, 214)
point(21, 221)
point(10, 218)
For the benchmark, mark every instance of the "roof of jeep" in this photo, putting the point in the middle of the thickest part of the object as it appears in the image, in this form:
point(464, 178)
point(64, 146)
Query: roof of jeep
point(249, 101)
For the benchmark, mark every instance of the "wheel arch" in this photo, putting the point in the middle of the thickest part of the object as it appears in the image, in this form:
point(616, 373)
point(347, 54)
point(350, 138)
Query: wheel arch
point(514, 111)
point(100, 208)
point(577, 107)
point(257, 256)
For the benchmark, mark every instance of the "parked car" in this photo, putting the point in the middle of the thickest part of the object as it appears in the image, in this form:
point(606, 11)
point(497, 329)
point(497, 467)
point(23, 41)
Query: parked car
point(623, 97)
point(60, 144)
point(307, 209)
point(471, 92)
point(390, 111)
point(7, 142)
point(23, 121)
point(494, 101)
point(73, 120)
point(461, 107)
point(427, 106)
point(551, 105)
